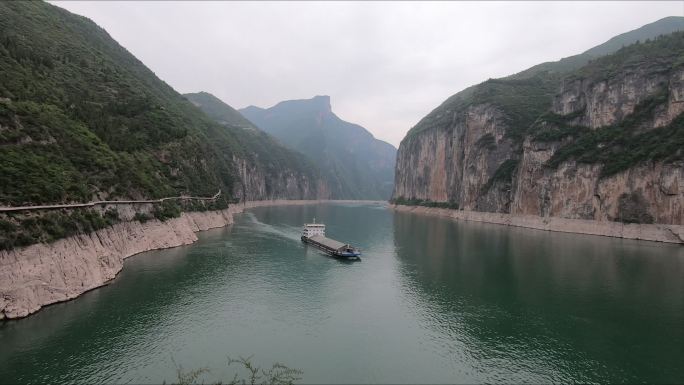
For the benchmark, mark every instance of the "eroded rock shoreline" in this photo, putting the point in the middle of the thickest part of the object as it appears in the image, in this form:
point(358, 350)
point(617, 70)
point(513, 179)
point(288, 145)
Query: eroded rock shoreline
point(42, 274)
point(647, 232)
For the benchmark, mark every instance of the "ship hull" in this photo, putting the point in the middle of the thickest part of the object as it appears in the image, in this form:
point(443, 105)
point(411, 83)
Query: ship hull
point(332, 252)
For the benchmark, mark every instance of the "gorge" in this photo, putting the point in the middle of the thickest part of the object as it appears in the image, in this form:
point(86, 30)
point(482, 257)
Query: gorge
point(101, 160)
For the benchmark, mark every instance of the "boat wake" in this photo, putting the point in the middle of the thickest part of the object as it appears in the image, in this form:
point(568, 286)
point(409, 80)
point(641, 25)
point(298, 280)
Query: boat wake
point(284, 231)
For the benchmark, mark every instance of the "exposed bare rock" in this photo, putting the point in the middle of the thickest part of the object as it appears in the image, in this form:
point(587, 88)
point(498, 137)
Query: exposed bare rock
point(456, 163)
point(283, 183)
point(38, 275)
point(648, 232)
point(605, 102)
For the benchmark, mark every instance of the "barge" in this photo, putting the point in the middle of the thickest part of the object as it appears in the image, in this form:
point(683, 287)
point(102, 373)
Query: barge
point(314, 234)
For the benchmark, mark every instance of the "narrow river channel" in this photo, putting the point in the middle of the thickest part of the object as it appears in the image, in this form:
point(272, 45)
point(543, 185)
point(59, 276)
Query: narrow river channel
point(432, 300)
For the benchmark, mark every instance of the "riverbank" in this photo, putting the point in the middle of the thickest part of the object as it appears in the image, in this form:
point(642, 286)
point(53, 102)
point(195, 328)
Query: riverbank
point(647, 232)
point(42, 274)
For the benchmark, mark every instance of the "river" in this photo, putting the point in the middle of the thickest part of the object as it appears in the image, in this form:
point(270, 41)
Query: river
point(433, 300)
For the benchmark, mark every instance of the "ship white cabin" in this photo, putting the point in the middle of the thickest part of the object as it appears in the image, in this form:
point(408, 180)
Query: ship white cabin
point(311, 229)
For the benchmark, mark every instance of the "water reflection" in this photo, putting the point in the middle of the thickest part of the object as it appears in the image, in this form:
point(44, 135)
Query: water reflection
point(85, 338)
point(539, 306)
point(432, 301)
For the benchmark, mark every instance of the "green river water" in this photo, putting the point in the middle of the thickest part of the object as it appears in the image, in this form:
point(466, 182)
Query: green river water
point(432, 301)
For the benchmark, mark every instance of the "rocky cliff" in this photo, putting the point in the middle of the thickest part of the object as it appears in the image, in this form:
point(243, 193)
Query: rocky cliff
point(257, 182)
point(651, 190)
point(601, 142)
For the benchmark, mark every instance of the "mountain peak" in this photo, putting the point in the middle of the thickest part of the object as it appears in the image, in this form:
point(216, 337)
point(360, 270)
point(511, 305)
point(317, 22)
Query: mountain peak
point(321, 99)
point(319, 102)
point(356, 165)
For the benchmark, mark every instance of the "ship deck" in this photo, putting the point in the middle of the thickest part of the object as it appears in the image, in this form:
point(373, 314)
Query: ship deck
point(327, 242)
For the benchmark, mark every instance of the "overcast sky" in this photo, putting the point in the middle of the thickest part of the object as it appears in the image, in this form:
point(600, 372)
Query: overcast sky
point(385, 65)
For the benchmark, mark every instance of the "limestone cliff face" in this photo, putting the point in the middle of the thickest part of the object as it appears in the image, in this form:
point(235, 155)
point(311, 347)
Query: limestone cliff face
point(435, 166)
point(605, 102)
point(576, 191)
point(255, 183)
point(467, 158)
point(455, 163)
point(652, 189)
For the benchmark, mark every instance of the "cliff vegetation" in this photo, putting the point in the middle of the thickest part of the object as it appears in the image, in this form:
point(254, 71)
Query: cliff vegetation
point(593, 136)
point(82, 119)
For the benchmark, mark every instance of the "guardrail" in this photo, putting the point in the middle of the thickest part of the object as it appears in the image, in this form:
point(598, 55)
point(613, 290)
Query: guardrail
point(96, 203)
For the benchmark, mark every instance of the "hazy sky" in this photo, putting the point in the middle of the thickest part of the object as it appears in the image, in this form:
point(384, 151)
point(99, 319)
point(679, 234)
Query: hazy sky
point(385, 65)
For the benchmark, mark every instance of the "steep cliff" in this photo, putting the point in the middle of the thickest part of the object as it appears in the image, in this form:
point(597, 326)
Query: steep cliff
point(603, 141)
point(354, 164)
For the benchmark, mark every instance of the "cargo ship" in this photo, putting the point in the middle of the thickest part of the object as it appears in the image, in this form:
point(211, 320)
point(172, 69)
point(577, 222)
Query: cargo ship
point(314, 234)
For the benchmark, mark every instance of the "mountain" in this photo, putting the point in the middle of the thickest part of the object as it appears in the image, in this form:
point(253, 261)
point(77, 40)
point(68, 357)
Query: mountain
point(354, 163)
point(276, 160)
point(663, 26)
point(600, 139)
point(216, 109)
point(82, 119)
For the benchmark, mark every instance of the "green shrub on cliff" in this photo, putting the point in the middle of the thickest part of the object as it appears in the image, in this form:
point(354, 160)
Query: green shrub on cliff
point(504, 173)
point(425, 203)
point(141, 217)
point(166, 210)
point(25, 229)
point(623, 145)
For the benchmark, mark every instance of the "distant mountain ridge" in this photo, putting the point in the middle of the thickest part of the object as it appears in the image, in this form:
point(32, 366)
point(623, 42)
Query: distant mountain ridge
point(276, 160)
point(663, 26)
point(218, 110)
point(355, 164)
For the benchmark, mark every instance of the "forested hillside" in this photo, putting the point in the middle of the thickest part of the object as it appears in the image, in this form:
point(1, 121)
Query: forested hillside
point(83, 119)
point(277, 162)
